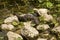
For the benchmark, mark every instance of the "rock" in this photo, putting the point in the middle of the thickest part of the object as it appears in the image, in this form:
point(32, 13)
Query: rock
point(14, 36)
point(56, 29)
point(3, 35)
point(58, 19)
point(28, 17)
point(42, 11)
point(53, 38)
point(41, 39)
point(43, 27)
point(29, 31)
point(45, 34)
point(48, 17)
point(7, 26)
point(11, 19)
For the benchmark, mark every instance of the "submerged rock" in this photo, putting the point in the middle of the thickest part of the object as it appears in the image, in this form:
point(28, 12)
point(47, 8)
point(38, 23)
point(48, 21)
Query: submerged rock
point(11, 19)
point(14, 36)
point(29, 31)
point(7, 27)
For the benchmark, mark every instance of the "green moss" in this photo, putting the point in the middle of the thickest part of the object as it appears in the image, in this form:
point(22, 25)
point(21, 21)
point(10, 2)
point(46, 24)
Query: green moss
point(54, 21)
point(20, 25)
point(15, 23)
point(19, 38)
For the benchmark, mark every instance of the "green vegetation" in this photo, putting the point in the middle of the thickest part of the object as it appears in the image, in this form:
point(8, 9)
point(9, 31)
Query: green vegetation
point(21, 6)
